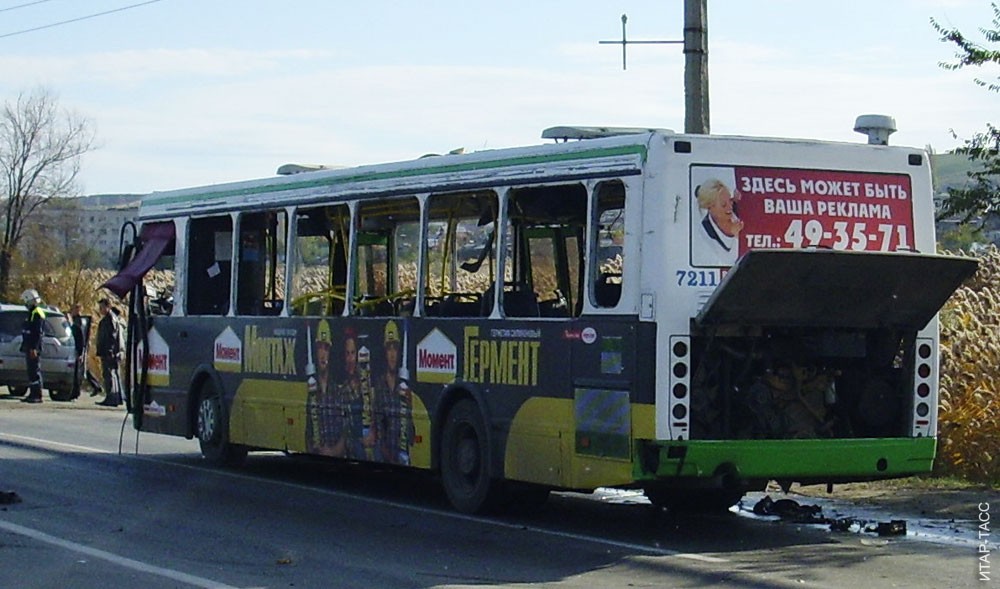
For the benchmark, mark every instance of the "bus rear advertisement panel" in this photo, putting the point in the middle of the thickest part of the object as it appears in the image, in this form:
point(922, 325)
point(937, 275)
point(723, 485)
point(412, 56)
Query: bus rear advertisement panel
point(796, 208)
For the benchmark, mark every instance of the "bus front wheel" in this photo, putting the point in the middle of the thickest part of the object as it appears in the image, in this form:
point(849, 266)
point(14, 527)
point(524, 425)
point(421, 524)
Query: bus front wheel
point(465, 460)
point(213, 430)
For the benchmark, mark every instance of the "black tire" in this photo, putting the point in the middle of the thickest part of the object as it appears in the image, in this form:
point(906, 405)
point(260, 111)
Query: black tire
point(61, 394)
point(465, 461)
point(694, 500)
point(212, 429)
point(17, 391)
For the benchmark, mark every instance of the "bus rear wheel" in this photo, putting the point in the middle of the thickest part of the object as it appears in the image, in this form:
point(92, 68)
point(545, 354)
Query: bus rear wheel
point(213, 430)
point(465, 461)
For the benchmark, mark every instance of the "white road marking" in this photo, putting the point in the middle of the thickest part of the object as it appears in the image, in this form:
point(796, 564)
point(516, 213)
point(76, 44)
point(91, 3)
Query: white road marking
point(42, 442)
point(122, 561)
point(426, 510)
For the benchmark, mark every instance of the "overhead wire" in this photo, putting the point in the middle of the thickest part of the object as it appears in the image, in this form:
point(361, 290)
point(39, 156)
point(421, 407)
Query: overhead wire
point(24, 5)
point(73, 20)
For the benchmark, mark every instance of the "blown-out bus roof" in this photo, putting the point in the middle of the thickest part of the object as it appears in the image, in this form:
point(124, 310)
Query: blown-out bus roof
point(602, 156)
point(606, 157)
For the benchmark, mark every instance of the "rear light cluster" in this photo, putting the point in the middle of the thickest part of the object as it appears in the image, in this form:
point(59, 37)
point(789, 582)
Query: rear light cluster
point(680, 388)
point(925, 386)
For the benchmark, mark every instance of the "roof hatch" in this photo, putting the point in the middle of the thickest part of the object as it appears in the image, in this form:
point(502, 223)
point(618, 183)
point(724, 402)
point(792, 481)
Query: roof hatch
point(835, 289)
point(566, 133)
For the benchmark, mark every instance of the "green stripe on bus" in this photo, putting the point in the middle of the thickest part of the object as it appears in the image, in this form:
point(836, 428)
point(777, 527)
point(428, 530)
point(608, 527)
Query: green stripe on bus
point(373, 176)
point(777, 459)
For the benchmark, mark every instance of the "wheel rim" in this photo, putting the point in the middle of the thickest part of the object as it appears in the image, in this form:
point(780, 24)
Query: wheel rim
point(208, 416)
point(467, 456)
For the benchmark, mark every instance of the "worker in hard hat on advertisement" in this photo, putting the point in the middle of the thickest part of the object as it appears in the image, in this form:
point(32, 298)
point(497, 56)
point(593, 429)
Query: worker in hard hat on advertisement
point(31, 343)
point(325, 428)
point(395, 423)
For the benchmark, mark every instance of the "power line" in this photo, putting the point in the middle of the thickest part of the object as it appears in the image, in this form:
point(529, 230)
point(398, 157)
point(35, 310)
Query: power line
point(78, 19)
point(24, 5)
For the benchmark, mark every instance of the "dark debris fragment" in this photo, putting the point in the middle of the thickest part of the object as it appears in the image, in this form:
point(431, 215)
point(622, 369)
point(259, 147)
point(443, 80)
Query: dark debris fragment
point(9, 498)
point(792, 511)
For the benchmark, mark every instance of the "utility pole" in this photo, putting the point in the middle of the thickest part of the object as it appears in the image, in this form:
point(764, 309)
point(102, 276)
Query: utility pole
point(696, 118)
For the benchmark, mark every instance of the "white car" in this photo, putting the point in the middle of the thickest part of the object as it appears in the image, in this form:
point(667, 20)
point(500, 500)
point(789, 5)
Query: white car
point(58, 353)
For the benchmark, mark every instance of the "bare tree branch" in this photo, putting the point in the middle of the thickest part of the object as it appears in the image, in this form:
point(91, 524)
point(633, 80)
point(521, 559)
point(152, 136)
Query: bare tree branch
point(40, 150)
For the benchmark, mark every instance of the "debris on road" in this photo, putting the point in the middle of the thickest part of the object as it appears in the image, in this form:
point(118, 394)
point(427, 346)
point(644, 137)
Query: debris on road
point(793, 511)
point(9, 498)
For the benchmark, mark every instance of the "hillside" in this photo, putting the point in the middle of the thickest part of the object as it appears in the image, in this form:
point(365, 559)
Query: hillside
point(950, 170)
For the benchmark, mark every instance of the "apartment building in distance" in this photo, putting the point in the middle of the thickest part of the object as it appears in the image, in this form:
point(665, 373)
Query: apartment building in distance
point(86, 224)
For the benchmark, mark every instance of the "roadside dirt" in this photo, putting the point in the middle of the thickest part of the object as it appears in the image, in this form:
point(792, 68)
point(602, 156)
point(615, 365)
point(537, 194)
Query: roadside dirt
point(914, 497)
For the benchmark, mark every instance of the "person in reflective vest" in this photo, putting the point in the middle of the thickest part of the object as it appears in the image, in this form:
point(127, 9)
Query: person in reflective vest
point(31, 343)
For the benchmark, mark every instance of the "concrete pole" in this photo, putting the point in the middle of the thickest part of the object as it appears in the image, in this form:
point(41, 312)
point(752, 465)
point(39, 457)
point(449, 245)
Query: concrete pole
point(696, 119)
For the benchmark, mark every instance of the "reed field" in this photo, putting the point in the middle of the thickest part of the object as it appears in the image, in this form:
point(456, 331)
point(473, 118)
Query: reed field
point(969, 418)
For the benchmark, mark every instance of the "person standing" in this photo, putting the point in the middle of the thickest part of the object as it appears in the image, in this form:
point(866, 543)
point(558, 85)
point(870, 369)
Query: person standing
point(31, 343)
point(109, 351)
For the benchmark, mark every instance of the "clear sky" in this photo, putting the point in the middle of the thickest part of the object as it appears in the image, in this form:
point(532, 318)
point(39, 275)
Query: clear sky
point(191, 92)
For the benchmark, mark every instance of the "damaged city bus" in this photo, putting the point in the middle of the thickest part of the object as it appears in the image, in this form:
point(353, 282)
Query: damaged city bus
point(689, 315)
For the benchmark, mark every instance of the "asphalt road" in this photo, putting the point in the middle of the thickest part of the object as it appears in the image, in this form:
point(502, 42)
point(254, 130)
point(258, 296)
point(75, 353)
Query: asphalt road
point(103, 507)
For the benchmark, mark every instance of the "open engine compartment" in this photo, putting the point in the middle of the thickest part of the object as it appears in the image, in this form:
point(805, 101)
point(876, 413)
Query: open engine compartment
point(816, 343)
point(781, 383)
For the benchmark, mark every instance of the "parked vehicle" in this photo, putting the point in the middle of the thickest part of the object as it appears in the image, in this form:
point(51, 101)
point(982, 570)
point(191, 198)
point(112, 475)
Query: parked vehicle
point(58, 353)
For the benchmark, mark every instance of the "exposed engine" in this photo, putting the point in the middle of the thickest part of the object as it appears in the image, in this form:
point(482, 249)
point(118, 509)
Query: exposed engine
point(782, 384)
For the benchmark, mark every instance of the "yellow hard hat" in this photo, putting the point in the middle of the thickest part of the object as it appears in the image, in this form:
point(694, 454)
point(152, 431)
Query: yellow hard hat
point(391, 332)
point(323, 332)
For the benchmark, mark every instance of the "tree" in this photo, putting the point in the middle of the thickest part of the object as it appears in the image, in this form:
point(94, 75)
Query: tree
point(40, 150)
point(964, 237)
point(981, 198)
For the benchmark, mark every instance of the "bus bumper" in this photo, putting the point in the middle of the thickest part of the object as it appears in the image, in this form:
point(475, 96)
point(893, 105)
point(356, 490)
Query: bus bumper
point(803, 461)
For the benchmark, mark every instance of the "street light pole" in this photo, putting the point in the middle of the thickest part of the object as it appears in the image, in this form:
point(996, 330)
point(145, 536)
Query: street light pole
point(696, 119)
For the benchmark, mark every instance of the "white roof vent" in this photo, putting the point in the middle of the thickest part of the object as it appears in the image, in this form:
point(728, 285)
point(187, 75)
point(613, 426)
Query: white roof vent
point(877, 127)
point(289, 169)
point(573, 132)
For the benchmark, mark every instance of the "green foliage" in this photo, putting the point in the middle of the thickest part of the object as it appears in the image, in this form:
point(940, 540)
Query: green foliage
point(961, 237)
point(980, 199)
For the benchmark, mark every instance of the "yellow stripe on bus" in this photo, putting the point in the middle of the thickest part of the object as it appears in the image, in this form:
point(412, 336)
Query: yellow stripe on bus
point(541, 447)
point(269, 414)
